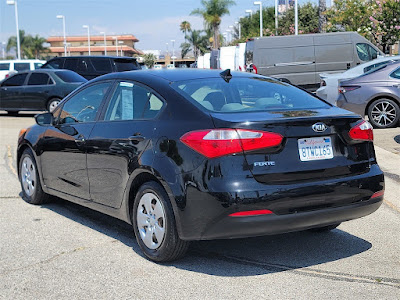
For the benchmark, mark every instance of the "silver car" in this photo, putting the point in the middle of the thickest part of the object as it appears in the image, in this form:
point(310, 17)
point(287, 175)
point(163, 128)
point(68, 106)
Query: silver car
point(375, 94)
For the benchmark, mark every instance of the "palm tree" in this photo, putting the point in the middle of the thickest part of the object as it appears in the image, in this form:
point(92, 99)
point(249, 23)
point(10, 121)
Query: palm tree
point(31, 47)
point(212, 12)
point(12, 42)
point(198, 41)
point(185, 27)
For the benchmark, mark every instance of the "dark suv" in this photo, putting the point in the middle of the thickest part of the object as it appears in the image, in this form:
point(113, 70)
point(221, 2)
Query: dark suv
point(92, 66)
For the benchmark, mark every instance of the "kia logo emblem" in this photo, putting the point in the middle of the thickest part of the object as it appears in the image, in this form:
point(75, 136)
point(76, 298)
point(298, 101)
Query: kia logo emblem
point(319, 127)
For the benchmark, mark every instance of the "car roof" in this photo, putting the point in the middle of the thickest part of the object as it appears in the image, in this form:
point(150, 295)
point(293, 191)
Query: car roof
point(22, 61)
point(44, 71)
point(171, 75)
point(95, 56)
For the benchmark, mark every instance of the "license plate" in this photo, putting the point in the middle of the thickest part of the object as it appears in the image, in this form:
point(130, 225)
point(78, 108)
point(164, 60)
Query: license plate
point(316, 148)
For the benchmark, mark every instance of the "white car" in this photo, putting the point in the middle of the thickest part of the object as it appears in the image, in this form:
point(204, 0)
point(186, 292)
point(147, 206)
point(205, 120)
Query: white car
point(10, 67)
point(157, 67)
point(171, 66)
point(330, 82)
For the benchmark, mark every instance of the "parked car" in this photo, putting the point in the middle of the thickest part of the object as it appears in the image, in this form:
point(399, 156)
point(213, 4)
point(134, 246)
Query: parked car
point(330, 82)
point(157, 67)
point(300, 58)
point(37, 90)
point(375, 94)
point(9, 67)
point(202, 154)
point(92, 66)
point(171, 66)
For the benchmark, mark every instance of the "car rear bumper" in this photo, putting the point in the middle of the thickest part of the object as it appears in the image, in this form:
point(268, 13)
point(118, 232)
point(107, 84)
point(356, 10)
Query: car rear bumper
point(295, 207)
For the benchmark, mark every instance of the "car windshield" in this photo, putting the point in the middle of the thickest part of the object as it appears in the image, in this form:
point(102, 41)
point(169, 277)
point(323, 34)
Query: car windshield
point(243, 94)
point(69, 76)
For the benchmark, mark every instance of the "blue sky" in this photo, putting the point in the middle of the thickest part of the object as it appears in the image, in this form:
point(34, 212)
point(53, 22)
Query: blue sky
point(153, 22)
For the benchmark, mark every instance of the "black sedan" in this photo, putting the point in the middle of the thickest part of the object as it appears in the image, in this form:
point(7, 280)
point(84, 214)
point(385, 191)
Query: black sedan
point(37, 90)
point(197, 154)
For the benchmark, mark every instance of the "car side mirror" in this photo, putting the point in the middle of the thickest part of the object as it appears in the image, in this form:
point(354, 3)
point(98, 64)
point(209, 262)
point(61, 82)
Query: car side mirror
point(374, 55)
point(45, 119)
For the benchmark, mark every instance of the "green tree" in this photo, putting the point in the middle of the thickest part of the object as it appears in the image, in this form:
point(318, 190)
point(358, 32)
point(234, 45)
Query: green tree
point(198, 42)
point(36, 46)
point(31, 47)
point(185, 28)
point(321, 15)
point(185, 49)
point(212, 12)
point(250, 26)
point(149, 60)
point(308, 20)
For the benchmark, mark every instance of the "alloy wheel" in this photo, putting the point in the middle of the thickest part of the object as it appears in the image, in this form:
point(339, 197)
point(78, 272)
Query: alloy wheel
point(28, 176)
point(383, 113)
point(150, 220)
point(53, 104)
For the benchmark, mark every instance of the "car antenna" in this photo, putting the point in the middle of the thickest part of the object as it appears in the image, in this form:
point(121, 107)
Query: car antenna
point(226, 75)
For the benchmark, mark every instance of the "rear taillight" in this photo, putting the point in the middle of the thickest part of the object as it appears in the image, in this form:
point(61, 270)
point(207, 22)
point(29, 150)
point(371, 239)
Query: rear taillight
point(378, 194)
point(345, 89)
point(220, 142)
point(255, 70)
point(362, 132)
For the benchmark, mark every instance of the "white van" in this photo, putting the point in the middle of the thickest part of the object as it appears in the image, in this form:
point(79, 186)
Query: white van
point(207, 57)
point(240, 64)
point(227, 58)
point(11, 66)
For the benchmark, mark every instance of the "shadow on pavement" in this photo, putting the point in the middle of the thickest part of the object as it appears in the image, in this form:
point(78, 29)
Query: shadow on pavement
point(237, 257)
point(20, 115)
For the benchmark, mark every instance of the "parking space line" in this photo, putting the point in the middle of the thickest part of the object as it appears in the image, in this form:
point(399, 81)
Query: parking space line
point(10, 160)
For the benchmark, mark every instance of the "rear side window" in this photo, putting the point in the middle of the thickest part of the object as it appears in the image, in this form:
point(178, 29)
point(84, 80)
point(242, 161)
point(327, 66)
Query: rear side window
point(22, 67)
point(16, 80)
point(69, 76)
point(39, 79)
point(56, 63)
point(101, 64)
point(246, 94)
point(132, 102)
point(71, 64)
point(371, 67)
point(396, 74)
point(4, 66)
point(122, 65)
point(83, 65)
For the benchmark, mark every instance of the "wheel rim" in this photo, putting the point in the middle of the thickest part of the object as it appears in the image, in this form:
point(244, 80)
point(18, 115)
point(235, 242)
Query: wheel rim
point(53, 105)
point(28, 176)
point(383, 113)
point(150, 220)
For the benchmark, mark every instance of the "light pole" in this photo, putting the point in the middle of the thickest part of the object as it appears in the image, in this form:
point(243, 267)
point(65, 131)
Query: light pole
point(167, 48)
point(261, 23)
point(249, 11)
point(120, 43)
point(296, 17)
point(88, 35)
point(276, 17)
point(173, 51)
point(105, 42)
point(65, 39)
point(240, 28)
point(14, 2)
point(228, 38)
point(116, 44)
point(3, 49)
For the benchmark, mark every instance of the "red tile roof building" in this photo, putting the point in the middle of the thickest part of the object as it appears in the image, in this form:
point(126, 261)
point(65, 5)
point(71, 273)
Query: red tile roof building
point(78, 45)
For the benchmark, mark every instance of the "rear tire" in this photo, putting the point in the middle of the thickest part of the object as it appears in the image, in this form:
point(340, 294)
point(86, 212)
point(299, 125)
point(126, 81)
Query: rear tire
point(52, 104)
point(325, 228)
point(154, 224)
point(383, 113)
point(30, 181)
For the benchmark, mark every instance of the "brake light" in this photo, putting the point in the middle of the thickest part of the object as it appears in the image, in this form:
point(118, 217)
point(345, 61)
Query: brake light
point(251, 213)
point(362, 132)
point(378, 194)
point(255, 70)
point(345, 89)
point(220, 142)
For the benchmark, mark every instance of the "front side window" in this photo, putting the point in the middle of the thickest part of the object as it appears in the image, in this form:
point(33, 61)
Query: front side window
point(243, 94)
point(21, 67)
point(39, 79)
point(396, 74)
point(83, 106)
point(365, 52)
point(4, 66)
point(132, 102)
point(16, 80)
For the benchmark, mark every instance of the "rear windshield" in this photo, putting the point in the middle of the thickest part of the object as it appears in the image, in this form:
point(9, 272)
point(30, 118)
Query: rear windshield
point(246, 94)
point(126, 65)
point(69, 76)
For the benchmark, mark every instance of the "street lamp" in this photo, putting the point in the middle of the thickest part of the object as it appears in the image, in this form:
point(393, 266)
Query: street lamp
point(120, 43)
point(105, 42)
point(296, 17)
point(116, 44)
point(261, 23)
point(228, 39)
point(3, 49)
point(88, 35)
point(65, 39)
point(249, 11)
point(232, 31)
point(173, 51)
point(14, 2)
point(240, 28)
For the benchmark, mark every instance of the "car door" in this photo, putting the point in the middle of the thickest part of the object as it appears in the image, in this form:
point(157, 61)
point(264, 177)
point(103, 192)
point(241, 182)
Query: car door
point(36, 91)
point(63, 157)
point(11, 92)
point(122, 141)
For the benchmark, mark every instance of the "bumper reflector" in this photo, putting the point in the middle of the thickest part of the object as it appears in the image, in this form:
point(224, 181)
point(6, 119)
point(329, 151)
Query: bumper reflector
point(251, 213)
point(378, 194)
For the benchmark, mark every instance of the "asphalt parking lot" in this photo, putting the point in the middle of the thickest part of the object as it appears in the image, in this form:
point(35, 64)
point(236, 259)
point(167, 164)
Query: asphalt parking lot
point(63, 251)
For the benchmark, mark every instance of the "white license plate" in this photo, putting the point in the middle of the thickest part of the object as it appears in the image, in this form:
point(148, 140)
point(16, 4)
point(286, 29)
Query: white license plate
point(316, 148)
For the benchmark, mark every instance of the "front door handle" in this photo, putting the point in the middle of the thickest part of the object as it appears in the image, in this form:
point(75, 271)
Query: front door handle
point(80, 140)
point(396, 86)
point(137, 138)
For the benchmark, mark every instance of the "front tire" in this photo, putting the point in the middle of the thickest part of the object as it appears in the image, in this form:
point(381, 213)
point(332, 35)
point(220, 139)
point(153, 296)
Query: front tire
point(154, 224)
point(383, 113)
point(53, 103)
point(29, 178)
